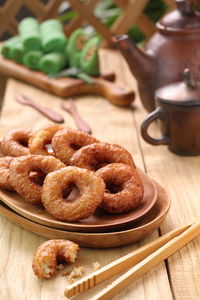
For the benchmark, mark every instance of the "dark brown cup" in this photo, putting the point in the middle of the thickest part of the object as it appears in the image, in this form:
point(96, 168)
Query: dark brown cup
point(180, 128)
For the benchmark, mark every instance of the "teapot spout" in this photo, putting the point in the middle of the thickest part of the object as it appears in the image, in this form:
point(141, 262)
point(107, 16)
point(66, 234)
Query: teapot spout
point(141, 64)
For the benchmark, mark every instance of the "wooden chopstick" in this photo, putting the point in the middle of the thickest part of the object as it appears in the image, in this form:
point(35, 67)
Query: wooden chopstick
point(149, 262)
point(124, 263)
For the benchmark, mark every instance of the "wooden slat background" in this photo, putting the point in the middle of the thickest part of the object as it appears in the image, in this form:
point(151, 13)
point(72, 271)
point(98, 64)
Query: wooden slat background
point(132, 14)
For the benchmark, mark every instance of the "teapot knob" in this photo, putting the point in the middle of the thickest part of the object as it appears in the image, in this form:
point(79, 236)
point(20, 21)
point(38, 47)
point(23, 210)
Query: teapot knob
point(186, 7)
point(188, 79)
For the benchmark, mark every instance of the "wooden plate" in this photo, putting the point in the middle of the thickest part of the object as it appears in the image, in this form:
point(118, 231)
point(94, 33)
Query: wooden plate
point(98, 222)
point(140, 230)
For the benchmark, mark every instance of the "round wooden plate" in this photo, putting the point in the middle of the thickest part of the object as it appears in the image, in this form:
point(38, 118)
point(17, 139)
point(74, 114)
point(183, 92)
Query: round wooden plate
point(100, 221)
point(143, 228)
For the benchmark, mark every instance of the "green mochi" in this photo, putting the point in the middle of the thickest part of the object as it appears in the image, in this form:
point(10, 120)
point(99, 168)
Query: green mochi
point(74, 47)
point(89, 58)
point(8, 45)
point(32, 59)
point(53, 63)
point(30, 34)
point(52, 35)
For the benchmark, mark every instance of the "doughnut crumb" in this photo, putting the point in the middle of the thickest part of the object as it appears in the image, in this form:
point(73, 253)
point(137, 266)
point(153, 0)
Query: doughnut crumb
point(76, 273)
point(96, 266)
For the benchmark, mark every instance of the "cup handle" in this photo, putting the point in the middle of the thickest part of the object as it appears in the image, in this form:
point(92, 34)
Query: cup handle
point(158, 113)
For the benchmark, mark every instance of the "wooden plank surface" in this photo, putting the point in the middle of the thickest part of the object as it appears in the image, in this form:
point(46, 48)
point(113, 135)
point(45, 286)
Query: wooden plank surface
point(179, 175)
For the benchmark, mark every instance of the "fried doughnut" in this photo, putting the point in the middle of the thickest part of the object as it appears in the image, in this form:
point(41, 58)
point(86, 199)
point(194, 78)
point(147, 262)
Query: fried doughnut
point(90, 186)
point(96, 156)
point(16, 142)
point(124, 188)
point(1, 152)
point(50, 253)
point(67, 141)
point(21, 167)
point(5, 173)
point(43, 137)
point(5, 161)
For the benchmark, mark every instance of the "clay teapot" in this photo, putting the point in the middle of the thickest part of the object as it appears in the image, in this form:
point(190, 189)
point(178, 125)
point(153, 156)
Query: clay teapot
point(174, 47)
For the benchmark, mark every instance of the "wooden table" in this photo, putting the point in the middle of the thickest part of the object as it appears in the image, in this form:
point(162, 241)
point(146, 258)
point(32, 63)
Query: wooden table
point(179, 276)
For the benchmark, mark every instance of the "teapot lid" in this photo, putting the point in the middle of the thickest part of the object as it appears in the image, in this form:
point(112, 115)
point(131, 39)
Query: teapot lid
point(183, 18)
point(184, 93)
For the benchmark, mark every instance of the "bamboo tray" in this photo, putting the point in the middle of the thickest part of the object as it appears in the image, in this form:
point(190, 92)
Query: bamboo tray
point(138, 231)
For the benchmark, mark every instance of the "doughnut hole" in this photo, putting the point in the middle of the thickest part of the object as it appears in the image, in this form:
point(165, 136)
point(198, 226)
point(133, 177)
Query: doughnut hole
point(113, 187)
point(48, 147)
point(37, 177)
point(23, 142)
point(75, 146)
point(70, 192)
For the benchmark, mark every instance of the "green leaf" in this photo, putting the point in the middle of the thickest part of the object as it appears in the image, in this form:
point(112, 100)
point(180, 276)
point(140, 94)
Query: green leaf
point(136, 34)
point(86, 78)
point(70, 72)
point(155, 9)
point(109, 13)
point(104, 5)
point(74, 73)
point(68, 16)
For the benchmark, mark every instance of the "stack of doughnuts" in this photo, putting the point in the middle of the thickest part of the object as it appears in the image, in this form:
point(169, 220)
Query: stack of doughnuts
point(47, 166)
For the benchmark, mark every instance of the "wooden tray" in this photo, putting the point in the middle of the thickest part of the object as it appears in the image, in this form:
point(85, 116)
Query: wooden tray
point(98, 222)
point(140, 230)
point(69, 87)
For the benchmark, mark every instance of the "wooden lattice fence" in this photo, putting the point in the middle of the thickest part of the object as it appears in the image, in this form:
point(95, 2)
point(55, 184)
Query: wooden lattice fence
point(11, 11)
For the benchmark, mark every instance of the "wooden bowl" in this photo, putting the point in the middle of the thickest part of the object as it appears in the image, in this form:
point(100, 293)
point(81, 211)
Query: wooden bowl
point(100, 221)
point(143, 228)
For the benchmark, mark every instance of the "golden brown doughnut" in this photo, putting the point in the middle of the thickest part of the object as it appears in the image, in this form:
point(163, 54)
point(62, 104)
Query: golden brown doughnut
point(67, 141)
point(124, 188)
point(5, 161)
point(22, 167)
point(91, 189)
point(50, 253)
point(95, 156)
point(5, 173)
point(43, 137)
point(1, 152)
point(16, 142)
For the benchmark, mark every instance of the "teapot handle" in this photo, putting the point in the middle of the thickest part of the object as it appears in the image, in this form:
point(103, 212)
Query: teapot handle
point(158, 113)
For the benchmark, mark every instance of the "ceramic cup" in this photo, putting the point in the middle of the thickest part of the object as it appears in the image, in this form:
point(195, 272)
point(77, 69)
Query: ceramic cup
point(179, 126)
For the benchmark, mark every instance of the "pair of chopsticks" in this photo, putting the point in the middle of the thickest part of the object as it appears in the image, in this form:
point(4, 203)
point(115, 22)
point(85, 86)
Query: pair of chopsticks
point(139, 261)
